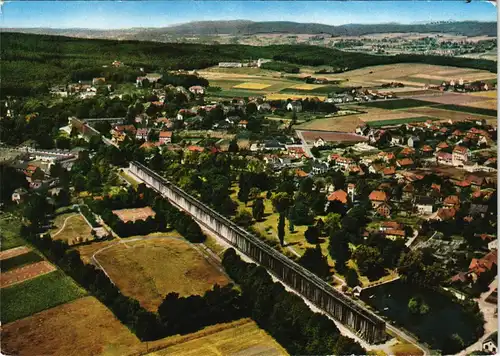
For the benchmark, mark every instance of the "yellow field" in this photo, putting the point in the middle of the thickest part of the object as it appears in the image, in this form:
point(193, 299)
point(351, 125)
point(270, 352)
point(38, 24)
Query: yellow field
point(156, 267)
point(250, 85)
point(487, 104)
point(487, 94)
point(307, 86)
point(244, 339)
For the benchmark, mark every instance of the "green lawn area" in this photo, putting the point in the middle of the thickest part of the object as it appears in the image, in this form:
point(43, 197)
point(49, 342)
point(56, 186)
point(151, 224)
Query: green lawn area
point(397, 104)
point(10, 227)
point(472, 110)
point(129, 179)
point(379, 123)
point(20, 260)
point(44, 292)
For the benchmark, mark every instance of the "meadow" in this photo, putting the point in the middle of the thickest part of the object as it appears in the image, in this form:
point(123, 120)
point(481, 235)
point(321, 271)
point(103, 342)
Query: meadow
point(156, 267)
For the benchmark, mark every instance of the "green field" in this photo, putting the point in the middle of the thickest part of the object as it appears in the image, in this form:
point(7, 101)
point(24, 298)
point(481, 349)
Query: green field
point(479, 111)
point(380, 123)
point(30, 297)
point(9, 231)
point(398, 104)
point(20, 260)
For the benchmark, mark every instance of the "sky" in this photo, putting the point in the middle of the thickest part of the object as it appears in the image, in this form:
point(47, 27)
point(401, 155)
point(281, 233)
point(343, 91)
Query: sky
point(126, 14)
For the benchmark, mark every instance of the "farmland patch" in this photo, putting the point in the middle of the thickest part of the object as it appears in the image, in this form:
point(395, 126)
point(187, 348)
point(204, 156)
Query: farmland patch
point(396, 104)
point(252, 86)
point(19, 261)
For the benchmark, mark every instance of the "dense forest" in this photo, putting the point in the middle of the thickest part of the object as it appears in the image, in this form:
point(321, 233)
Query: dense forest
point(33, 63)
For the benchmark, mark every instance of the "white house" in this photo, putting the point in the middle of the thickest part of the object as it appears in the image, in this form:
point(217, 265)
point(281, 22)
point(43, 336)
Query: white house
point(197, 89)
point(319, 142)
point(490, 344)
point(424, 205)
point(493, 245)
point(413, 140)
point(18, 195)
point(396, 140)
point(294, 106)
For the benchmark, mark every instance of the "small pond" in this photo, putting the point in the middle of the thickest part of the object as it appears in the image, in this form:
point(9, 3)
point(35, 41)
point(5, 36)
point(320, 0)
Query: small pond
point(444, 318)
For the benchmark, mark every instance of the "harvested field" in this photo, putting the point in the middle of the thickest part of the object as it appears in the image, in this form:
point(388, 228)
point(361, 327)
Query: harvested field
point(398, 121)
point(76, 229)
point(378, 114)
point(341, 124)
point(19, 261)
point(134, 214)
point(156, 267)
point(486, 104)
point(405, 82)
point(25, 273)
point(24, 299)
point(242, 340)
point(451, 98)
point(13, 252)
point(306, 86)
point(94, 331)
point(493, 94)
point(293, 96)
point(252, 86)
point(331, 136)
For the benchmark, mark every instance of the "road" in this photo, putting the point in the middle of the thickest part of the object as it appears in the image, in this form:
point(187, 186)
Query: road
point(306, 147)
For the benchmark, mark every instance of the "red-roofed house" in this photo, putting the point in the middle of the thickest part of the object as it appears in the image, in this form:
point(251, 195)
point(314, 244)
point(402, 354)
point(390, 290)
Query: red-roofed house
point(407, 151)
point(383, 209)
point(444, 158)
point(405, 163)
point(390, 225)
point(142, 134)
point(393, 234)
point(442, 145)
point(452, 201)
point(377, 197)
point(482, 265)
point(389, 171)
point(460, 155)
point(426, 150)
point(444, 214)
point(195, 149)
point(165, 137)
point(300, 173)
point(338, 195)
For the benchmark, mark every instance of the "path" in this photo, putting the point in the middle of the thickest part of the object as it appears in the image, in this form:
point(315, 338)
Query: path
point(306, 147)
point(410, 240)
point(490, 324)
point(64, 224)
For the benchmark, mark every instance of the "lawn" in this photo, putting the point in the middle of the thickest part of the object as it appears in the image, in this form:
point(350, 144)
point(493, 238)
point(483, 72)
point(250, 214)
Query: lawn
point(156, 267)
point(19, 261)
point(10, 227)
point(397, 104)
point(76, 229)
point(468, 109)
point(30, 297)
point(399, 121)
point(244, 339)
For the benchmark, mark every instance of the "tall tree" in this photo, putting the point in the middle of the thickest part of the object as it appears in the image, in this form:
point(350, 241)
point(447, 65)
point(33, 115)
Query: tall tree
point(258, 209)
point(281, 229)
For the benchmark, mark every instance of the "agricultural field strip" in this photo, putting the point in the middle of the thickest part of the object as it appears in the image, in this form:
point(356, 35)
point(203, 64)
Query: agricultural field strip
point(13, 252)
point(19, 261)
point(25, 273)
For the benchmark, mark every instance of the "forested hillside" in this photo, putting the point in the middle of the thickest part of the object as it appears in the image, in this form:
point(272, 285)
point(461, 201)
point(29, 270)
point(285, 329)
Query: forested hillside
point(32, 63)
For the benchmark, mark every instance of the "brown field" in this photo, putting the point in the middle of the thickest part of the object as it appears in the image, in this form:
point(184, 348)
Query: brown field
point(486, 104)
point(332, 136)
point(446, 114)
point(25, 273)
point(76, 229)
point(156, 267)
point(452, 98)
point(86, 251)
point(341, 124)
point(96, 331)
point(127, 215)
point(13, 252)
point(243, 340)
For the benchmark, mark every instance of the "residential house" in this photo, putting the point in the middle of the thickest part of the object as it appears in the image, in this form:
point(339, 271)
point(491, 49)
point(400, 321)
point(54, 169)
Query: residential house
point(405, 163)
point(120, 131)
point(476, 181)
point(383, 209)
point(294, 106)
point(413, 141)
point(194, 148)
point(407, 151)
point(319, 142)
point(142, 134)
point(319, 167)
point(396, 140)
point(490, 344)
point(444, 158)
point(441, 145)
point(197, 90)
point(389, 171)
point(424, 205)
point(243, 124)
point(338, 195)
point(33, 173)
point(299, 173)
point(165, 137)
point(343, 162)
point(18, 195)
point(376, 168)
point(426, 151)
point(264, 107)
point(482, 265)
point(390, 225)
point(272, 145)
point(452, 201)
point(351, 190)
point(378, 197)
point(296, 152)
point(98, 81)
point(408, 191)
point(443, 214)
point(394, 234)
point(493, 245)
point(148, 145)
point(460, 155)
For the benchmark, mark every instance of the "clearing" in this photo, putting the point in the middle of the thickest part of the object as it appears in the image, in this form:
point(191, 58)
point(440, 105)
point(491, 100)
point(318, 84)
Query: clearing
point(30, 297)
point(158, 266)
point(71, 228)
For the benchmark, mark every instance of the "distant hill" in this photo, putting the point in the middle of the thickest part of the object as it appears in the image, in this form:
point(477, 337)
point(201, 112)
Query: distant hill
point(244, 27)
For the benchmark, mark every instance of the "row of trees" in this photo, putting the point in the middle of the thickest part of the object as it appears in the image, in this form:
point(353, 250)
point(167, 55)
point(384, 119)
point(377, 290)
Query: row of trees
point(285, 315)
